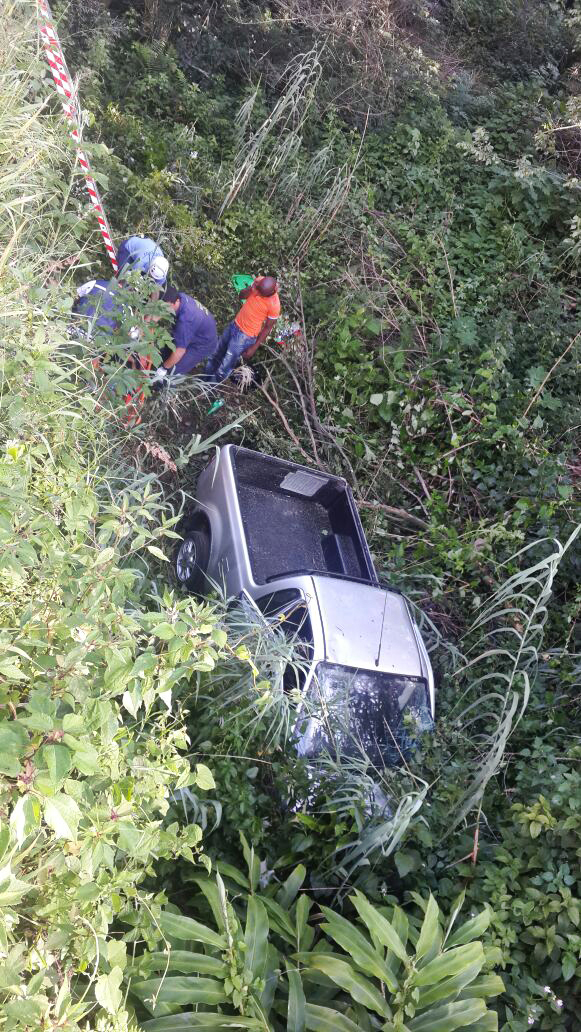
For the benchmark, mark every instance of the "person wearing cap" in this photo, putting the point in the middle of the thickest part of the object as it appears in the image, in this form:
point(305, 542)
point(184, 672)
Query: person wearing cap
point(193, 332)
point(141, 254)
point(249, 329)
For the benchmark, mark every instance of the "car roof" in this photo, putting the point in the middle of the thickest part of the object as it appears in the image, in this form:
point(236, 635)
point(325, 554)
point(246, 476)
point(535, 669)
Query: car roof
point(364, 624)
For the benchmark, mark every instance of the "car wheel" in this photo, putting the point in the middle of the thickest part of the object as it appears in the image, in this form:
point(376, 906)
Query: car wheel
point(191, 559)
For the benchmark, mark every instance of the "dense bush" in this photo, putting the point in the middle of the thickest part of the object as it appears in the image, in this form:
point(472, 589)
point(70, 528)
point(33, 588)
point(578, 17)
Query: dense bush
point(93, 654)
point(272, 964)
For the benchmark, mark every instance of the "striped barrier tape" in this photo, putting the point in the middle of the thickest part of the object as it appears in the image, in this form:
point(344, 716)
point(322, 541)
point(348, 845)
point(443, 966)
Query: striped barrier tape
point(64, 87)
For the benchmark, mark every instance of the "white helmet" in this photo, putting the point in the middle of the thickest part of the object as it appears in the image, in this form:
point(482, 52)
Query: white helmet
point(159, 269)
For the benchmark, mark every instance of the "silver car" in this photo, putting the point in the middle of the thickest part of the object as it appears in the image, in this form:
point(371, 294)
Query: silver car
point(288, 541)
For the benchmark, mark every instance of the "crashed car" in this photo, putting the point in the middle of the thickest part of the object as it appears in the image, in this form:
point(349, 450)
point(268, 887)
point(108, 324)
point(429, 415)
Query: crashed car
point(287, 541)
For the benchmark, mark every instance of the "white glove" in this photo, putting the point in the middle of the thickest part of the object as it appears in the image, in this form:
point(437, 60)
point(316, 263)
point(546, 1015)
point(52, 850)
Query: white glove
point(86, 288)
point(160, 374)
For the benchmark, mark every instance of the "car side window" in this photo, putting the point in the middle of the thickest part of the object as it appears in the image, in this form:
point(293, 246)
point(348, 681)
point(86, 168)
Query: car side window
point(296, 625)
point(290, 608)
point(274, 601)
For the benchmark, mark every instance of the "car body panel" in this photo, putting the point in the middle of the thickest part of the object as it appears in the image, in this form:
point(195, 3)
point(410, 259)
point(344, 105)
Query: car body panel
point(367, 627)
point(355, 623)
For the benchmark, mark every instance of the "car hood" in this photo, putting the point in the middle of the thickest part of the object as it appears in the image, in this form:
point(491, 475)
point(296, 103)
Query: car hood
point(363, 624)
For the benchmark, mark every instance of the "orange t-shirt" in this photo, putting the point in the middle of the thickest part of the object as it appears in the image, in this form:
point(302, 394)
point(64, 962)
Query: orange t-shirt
point(255, 310)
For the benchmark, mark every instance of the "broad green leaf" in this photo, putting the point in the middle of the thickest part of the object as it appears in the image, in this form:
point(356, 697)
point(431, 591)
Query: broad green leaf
point(24, 1014)
point(456, 908)
point(24, 818)
point(271, 978)
point(483, 987)
point(296, 1011)
point(450, 963)
point(11, 671)
point(568, 966)
point(185, 928)
point(215, 898)
point(11, 889)
point(157, 552)
point(88, 892)
point(357, 946)
point(183, 961)
point(199, 1019)
point(204, 777)
point(406, 862)
point(228, 871)
point(323, 1019)
point(379, 926)
point(400, 923)
point(342, 974)
point(179, 989)
point(73, 723)
point(430, 925)
point(435, 949)
point(450, 1017)
point(117, 953)
point(450, 988)
point(256, 937)
point(165, 631)
point(13, 739)
point(305, 934)
point(287, 893)
point(85, 757)
point(62, 814)
point(280, 920)
point(488, 1023)
point(108, 992)
point(228, 918)
point(38, 721)
point(104, 556)
point(470, 930)
point(59, 762)
point(252, 862)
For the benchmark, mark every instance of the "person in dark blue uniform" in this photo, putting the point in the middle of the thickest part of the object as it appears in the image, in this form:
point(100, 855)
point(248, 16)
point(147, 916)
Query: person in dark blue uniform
point(194, 335)
point(99, 303)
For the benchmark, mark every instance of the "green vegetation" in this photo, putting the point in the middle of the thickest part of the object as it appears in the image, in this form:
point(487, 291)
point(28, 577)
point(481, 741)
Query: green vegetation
point(412, 172)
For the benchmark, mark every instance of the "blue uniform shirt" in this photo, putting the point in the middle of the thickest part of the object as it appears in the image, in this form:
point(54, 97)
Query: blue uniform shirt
point(195, 330)
point(100, 305)
point(137, 253)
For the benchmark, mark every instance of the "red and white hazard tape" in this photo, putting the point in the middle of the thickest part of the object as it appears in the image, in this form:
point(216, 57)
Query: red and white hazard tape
point(64, 87)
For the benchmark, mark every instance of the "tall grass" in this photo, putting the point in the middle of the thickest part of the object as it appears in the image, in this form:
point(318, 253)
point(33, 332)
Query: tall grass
point(501, 665)
point(279, 135)
point(43, 227)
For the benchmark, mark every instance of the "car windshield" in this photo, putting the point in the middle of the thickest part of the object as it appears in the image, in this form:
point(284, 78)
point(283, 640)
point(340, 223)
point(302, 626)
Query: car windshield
point(354, 711)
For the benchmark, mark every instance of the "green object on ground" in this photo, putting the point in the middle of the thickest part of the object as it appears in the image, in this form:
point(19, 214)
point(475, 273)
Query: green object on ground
point(215, 406)
point(240, 282)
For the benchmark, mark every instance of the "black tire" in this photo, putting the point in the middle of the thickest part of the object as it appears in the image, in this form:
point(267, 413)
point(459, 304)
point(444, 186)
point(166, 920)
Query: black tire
point(192, 556)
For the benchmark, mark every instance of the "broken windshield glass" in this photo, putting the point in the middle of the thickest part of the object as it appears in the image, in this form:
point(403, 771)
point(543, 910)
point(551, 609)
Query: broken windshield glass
point(363, 711)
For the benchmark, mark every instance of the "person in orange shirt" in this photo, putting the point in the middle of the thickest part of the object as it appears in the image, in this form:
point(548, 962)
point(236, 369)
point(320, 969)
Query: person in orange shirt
point(249, 329)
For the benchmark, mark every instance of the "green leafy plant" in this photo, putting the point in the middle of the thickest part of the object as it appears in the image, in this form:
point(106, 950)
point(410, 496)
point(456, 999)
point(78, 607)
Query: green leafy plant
point(270, 963)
